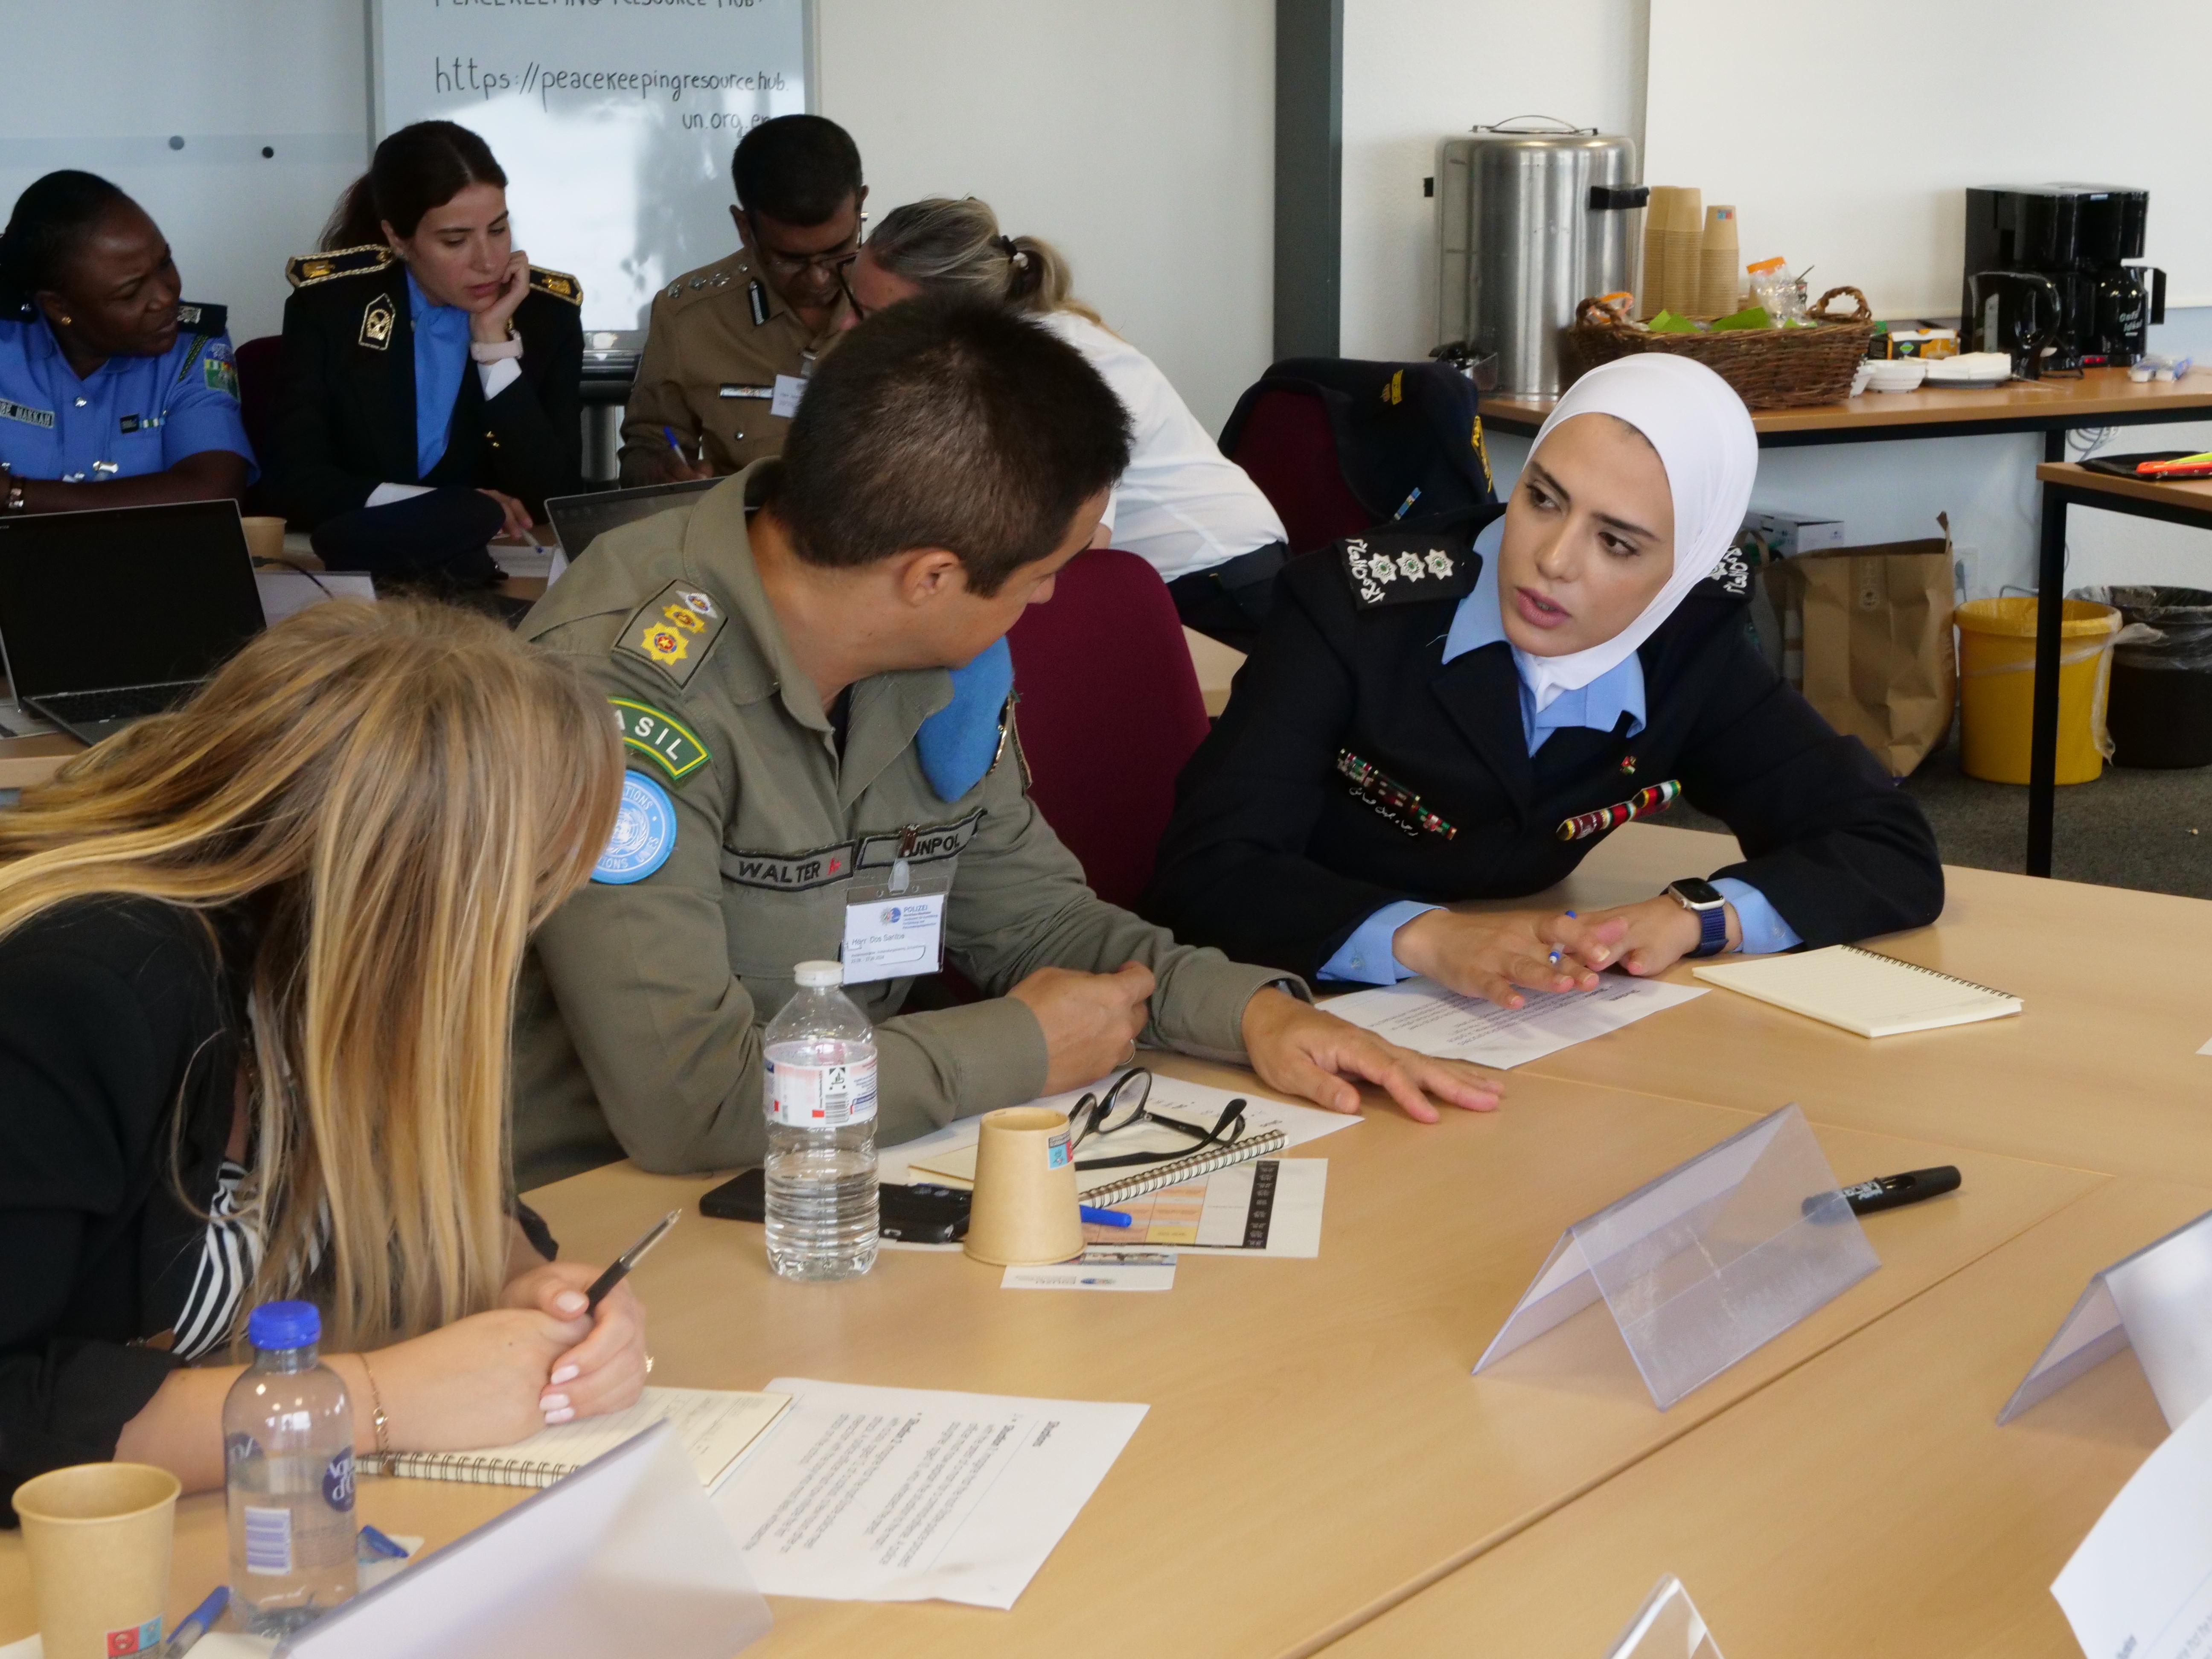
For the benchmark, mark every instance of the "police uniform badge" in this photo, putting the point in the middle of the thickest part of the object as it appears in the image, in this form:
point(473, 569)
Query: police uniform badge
point(644, 836)
point(672, 633)
point(557, 285)
point(1732, 575)
point(378, 320)
point(1398, 566)
point(218, 373)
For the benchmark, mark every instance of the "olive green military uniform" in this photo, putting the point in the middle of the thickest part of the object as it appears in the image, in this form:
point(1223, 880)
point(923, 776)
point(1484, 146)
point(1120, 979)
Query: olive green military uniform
point(715, 342)
point(638, 1022)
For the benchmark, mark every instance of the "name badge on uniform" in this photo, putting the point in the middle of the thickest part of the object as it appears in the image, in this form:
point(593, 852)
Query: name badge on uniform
point(789, 389)
point(895, 928)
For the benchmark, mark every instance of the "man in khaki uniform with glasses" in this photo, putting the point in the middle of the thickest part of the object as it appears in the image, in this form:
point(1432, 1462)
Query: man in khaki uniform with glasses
point(808, 671)
point(728, 347)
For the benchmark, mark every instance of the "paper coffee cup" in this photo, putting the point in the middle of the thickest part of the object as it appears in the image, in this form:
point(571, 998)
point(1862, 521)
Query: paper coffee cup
point(98, 1535)
point(1024, 1212)
point(265, 537)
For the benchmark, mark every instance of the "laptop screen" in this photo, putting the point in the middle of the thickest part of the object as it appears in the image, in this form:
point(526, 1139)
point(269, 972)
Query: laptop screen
point(580, 519)
point(124, 596)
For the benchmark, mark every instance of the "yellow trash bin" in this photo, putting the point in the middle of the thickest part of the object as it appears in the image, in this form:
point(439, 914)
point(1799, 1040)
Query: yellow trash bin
point(1996, 688)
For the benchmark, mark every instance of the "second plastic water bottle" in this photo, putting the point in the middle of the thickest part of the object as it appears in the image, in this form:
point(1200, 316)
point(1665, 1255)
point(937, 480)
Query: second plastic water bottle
point(287, 1452)
point(819, 1082)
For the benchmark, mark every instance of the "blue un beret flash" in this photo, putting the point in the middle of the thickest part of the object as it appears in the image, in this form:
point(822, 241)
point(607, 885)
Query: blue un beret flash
point(644, 836)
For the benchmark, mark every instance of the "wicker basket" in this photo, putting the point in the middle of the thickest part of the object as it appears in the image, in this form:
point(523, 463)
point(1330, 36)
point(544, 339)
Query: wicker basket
point(1769, 367)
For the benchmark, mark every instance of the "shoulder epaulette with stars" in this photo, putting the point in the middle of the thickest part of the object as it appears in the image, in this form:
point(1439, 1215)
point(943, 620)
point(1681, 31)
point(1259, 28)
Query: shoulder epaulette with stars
point(194, 318)
point(1403, 566)
point(309, 269)
point(674, 630)
point(558, 283)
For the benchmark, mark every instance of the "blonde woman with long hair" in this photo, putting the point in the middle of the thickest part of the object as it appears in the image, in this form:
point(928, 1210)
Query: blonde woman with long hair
point(257, 962)
point(1184, 506)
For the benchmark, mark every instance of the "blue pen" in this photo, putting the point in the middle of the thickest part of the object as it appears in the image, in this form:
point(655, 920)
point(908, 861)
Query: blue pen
point(198, 1623)
point(378, 1544)
point(1555, 949)
point(1104, 1218)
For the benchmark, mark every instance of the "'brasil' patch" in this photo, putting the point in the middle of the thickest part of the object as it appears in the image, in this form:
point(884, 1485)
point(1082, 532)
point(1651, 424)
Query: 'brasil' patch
point(654, 732)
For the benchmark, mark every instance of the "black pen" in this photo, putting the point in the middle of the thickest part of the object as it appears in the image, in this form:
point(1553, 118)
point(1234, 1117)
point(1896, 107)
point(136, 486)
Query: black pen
point(1893, 1192)
point(628, 1260)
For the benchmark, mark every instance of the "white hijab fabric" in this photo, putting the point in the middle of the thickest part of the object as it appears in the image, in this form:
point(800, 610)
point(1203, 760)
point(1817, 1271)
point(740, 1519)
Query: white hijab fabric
point(1705, 441)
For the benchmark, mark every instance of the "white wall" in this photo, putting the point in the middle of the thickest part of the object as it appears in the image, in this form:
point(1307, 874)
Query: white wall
point(1138, 136)
point(105, 86)
point(1415, 70)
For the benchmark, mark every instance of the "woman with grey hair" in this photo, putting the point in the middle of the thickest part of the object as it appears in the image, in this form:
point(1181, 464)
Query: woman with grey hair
point(1183, 506)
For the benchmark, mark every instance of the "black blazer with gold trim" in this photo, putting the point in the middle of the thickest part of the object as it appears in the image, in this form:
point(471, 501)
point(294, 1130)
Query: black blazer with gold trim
point(344, 418)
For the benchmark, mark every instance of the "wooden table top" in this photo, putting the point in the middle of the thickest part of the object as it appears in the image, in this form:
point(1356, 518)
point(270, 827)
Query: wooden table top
point(2105, 392)
point(1336, 1390)
point(1866, 1503)
point(2190, 495)
point(2100, 1071)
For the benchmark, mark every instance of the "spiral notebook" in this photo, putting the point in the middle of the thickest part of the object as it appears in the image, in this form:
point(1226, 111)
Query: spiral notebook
point(1863, 991)
point(716, 1428)
point(1154, 1177)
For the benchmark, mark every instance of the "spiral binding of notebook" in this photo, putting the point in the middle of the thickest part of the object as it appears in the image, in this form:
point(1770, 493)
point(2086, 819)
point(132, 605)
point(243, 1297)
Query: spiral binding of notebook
point(471, 1468)
point(1932, 973)
point(1188, 1169)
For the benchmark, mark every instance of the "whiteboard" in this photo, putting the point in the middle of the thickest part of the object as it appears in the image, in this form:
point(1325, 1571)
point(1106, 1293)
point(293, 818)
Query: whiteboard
point(613, 119)
point(1846, 138)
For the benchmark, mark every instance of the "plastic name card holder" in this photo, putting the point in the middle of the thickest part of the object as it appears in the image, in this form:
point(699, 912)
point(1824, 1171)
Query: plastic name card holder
point(627, 1555)
point(1667, 1627)
point(1712, 1260)
point(2159, 1301)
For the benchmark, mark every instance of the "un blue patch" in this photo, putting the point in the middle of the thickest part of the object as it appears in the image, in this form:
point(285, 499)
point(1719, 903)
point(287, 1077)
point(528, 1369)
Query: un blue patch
point(645, 832)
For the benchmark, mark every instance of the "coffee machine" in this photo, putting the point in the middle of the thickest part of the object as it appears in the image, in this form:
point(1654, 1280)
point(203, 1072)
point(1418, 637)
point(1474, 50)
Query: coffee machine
point(2077, 237)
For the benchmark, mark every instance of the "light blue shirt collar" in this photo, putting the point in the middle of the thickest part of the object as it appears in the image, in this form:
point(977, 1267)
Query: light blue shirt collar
point(1599, 705)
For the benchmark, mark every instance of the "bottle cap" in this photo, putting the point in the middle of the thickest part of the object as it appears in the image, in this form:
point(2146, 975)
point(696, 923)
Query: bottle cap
point(812, 975)
point(1775, 264)
point(275, 1325)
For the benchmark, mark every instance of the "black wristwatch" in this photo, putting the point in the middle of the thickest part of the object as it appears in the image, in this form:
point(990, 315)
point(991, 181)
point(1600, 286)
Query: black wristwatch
point(1710, 906)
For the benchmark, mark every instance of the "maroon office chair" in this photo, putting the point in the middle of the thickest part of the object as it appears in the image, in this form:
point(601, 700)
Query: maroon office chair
point(1109, 711)
point(260, 362)
point(1288, 445)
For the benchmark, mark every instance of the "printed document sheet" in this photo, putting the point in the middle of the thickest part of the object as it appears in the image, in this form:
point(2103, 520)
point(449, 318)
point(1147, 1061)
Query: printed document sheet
point(869, 1494)
point(1421, 1015)
point(2140, 1587)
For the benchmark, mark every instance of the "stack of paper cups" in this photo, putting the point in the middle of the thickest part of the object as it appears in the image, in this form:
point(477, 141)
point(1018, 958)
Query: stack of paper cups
point(1678, 285)
point(1655, 215)
point(1717, 263)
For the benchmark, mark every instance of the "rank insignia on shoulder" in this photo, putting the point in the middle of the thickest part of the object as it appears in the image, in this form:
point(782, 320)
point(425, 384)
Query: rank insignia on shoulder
point(558, 283)
point(673, 630)
point(196, 317)
point(654, 732)
point(1400, 807)
point(1398, 567)
point(644, 836)
point(1732, 575)
point(309, 269)
point(377, 322)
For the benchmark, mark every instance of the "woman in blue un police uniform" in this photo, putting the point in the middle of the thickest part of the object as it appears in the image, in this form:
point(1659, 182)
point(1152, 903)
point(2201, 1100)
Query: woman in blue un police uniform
point(113, 394)
point(1424, 723)
point(429, 395)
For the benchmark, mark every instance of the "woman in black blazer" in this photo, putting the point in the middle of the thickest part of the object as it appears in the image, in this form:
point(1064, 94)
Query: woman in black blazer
point(257, 967)
point(1426, 721)
point(425, 355)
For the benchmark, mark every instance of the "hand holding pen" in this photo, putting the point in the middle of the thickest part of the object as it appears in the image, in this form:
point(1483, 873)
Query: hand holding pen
point(678, 467)
point(609, 1364)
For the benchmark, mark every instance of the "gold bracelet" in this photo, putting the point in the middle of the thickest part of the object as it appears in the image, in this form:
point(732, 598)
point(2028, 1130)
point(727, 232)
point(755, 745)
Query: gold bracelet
point(377, 1416)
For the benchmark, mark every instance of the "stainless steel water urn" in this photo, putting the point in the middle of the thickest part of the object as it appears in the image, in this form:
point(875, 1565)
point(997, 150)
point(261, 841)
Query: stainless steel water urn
point(1531, 219)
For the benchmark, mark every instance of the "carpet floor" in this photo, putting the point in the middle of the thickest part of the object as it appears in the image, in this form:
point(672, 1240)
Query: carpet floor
point(2133, 827)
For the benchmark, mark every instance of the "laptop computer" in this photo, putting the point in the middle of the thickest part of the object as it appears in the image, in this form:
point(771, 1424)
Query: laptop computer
point(579, 519)
point(111, 615)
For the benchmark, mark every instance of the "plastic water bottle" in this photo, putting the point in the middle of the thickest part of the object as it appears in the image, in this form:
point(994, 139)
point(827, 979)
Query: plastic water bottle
point(819, 1084)
point(288, 1451)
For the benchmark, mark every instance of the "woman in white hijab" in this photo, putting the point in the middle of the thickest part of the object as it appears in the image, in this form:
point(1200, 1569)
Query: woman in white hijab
point(1426, 721)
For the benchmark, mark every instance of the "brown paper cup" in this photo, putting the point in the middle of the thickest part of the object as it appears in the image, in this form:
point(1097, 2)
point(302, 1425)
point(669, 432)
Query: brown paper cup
point(265, 537)
point(1025, 1212)
point(98, 1536)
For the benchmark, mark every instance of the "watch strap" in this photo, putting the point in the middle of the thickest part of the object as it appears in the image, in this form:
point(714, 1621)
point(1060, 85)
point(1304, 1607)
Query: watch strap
point(1712, 930)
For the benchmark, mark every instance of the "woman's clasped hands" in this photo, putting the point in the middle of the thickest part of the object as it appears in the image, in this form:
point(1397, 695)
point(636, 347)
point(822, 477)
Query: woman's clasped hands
point(1499, 954)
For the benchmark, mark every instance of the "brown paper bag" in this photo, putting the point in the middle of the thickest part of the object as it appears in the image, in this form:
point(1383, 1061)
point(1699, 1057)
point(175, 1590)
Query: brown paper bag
point(1867, 638)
